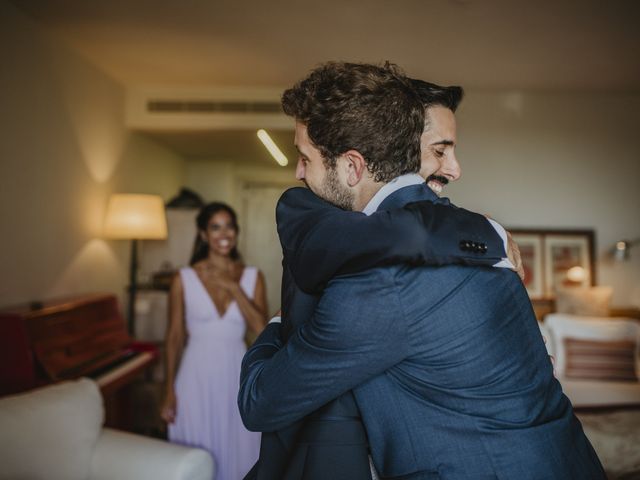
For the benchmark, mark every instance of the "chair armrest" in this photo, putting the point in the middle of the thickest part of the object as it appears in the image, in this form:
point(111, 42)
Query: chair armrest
point(585, 393)
point(127, 456)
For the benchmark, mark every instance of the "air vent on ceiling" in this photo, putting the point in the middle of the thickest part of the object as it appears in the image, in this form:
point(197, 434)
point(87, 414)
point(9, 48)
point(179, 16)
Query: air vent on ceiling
point(207, 106)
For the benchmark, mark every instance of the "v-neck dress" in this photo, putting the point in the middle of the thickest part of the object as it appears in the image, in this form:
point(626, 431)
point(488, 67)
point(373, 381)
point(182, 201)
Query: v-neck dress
point(207, 382)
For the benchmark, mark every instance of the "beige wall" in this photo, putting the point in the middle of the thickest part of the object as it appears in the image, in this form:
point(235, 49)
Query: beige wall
point(63, 150)
point(557, 160)
point(222, 180)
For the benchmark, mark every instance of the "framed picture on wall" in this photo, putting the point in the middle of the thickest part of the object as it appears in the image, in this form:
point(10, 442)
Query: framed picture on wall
point(568, 261)
point(554, 259)
point(531, 253)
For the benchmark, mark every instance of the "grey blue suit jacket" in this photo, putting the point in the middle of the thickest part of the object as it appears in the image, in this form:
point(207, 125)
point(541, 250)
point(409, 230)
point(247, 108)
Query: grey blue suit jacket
point(447, 367)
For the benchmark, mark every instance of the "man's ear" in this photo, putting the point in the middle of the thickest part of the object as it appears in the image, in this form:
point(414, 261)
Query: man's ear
point(356, 167)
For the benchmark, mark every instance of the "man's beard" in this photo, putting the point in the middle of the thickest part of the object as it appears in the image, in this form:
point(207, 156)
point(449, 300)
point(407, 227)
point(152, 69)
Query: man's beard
point(334, 192)
point(438, 178)
point(437, 183)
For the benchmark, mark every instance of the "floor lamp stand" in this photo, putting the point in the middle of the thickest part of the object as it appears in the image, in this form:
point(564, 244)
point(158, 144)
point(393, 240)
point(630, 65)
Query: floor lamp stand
point(133, 274)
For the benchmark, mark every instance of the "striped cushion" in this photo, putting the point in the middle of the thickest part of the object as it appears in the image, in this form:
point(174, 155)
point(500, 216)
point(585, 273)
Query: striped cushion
point(600, 360)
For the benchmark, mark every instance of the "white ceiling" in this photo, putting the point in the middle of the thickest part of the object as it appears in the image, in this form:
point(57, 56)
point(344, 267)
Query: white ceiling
point(241, 146)
point(481, 44)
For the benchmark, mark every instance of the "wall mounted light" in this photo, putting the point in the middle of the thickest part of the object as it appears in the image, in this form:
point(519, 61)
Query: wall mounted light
point(621, 251)
point(273, 149)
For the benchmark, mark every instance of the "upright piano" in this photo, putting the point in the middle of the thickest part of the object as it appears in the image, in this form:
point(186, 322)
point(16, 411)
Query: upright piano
point(68, 338)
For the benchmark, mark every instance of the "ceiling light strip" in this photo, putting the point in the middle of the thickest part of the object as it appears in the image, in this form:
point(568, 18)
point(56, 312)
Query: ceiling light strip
point(270, 145)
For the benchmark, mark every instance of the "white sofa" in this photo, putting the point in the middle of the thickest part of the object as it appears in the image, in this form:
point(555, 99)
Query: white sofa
point(585, 393)
point(56, 433)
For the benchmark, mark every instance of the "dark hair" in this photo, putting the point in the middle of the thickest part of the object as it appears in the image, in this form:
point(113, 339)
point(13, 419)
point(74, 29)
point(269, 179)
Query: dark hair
point(432, 95)
point(200, 247)
point(369, 108)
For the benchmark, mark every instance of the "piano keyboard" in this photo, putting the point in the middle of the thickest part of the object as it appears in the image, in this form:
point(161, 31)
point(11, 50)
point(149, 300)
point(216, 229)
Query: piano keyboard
point(137, 362)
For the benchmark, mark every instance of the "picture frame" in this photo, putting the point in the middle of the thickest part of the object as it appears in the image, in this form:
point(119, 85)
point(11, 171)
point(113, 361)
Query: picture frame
point(531, 253)
point(554, 259)
point(568, 262)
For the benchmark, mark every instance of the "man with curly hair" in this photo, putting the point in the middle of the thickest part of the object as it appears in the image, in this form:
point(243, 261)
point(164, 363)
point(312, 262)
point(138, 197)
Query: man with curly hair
point(446, 364)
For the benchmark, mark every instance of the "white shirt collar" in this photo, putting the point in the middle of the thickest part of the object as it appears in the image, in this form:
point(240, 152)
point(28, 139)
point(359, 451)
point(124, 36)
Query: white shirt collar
point(387, 189)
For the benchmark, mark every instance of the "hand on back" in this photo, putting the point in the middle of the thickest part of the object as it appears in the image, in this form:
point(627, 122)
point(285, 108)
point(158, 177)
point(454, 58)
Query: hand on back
point(513, 252)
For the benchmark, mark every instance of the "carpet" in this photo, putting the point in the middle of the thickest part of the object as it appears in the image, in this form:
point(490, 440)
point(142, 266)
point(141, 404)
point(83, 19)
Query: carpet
point(615, 436)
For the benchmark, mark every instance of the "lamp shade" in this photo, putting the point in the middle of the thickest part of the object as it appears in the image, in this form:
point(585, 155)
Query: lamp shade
point(135, 216)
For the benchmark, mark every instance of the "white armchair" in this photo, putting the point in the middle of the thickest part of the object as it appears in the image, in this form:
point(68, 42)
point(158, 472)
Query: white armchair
point(56, 433)
point(585, 392)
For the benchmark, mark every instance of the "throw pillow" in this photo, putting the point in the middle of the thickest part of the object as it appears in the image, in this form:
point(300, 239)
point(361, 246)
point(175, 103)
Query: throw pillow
point(600, 360)
point(592, 301)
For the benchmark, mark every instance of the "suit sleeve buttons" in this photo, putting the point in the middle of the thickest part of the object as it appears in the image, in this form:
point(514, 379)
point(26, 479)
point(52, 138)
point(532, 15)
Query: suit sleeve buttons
point(470, 246)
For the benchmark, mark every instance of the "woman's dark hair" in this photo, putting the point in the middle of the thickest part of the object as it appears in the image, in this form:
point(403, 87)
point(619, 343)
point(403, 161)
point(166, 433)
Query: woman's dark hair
point(200, 247)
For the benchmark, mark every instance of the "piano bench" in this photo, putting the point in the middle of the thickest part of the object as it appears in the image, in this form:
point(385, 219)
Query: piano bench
point(56, 432)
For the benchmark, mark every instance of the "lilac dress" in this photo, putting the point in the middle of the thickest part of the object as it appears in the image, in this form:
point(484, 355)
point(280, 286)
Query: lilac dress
point(207, 381)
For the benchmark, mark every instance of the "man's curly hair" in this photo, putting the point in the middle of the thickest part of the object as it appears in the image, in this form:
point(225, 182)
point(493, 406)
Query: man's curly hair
point(369, 108)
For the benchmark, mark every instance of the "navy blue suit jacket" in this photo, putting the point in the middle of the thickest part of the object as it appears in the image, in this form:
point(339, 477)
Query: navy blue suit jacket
point(332, 442)
point(446, 364)
point(320, 241)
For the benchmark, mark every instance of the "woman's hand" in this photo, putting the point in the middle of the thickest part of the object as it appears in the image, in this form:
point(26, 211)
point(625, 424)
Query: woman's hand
point(168, 410)
point(225, 280)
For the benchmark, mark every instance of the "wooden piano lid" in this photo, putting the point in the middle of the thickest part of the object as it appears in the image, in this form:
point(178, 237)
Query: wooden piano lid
point(72, 336)
point(45, 307)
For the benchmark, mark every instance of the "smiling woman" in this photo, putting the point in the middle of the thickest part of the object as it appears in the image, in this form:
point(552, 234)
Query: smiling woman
point(212, 303)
